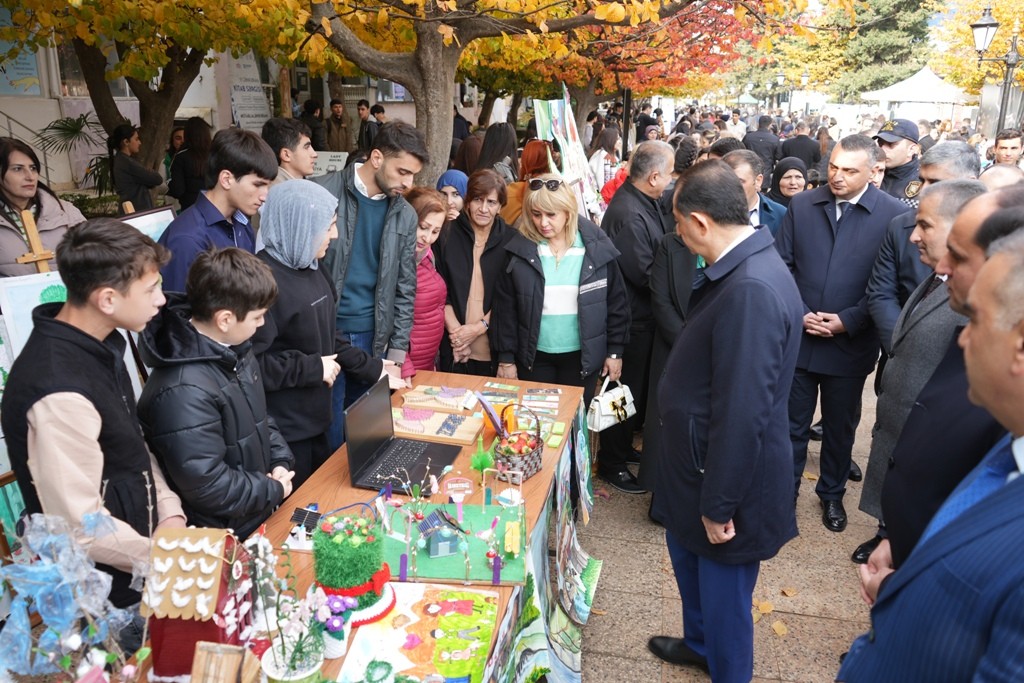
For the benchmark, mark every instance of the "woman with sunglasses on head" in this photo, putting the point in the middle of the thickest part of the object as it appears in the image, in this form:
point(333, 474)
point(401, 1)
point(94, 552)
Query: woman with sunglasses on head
point(470, 258)
point(534, 162)
point(21, 190)
point(560, 313)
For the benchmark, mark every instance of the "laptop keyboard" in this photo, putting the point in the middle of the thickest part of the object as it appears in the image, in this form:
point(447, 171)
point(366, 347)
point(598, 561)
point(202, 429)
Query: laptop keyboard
point(401, 455)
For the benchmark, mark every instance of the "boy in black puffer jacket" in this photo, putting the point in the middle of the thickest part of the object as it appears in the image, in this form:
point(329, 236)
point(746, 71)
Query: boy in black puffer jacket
point(203, 409)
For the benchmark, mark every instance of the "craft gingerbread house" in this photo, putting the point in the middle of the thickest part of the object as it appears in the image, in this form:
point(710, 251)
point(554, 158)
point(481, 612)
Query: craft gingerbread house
point(199, 589)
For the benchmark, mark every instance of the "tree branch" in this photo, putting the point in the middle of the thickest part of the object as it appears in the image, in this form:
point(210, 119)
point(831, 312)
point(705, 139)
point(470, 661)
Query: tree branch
point(390, 65)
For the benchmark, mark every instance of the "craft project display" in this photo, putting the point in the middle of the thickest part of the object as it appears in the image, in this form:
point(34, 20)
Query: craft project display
point(199, 589)
point(431, 425)
point(448, 399)
point(427, 542)
point(348, 561)
point(435, 633)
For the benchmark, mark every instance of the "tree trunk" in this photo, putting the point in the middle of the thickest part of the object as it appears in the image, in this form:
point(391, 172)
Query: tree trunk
point(156, 107)
point(284, 86)
point(513, 109)
point(586, 100)
point(434, 92)
point(94, 68)
point(334, 86)
point(486, 108)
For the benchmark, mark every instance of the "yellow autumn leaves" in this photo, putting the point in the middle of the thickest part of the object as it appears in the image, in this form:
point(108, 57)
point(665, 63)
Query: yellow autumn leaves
point(762, 608)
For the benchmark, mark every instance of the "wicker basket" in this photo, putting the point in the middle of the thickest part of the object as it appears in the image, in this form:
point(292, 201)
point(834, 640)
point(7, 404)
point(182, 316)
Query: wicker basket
point(527, 463)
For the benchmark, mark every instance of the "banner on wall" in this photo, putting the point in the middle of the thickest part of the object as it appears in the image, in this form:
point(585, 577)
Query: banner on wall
point(249, 106)
point(18, 76)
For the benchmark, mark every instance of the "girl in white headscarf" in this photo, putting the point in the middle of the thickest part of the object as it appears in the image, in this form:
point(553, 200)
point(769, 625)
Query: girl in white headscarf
point(298, 347)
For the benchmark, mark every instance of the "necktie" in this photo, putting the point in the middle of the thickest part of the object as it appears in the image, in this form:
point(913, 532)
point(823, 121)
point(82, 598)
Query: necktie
point(996, 467)
point(699, 278)
point(843, 208)
point(932, 286)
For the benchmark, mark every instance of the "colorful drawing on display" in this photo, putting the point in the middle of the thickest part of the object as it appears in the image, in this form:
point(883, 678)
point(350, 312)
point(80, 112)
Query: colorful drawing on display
point(555, 121)
point(576, 572)
point(435, 633)
point(581, 452)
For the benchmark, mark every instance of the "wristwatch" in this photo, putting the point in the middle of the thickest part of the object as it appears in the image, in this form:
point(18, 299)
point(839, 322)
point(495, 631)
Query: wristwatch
point(614, 356)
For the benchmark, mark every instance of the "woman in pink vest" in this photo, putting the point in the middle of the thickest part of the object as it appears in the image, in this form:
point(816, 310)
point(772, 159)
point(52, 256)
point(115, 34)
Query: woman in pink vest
point(431, 292)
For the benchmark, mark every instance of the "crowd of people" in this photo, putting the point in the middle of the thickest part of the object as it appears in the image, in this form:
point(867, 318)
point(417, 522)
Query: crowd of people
point(734, 281)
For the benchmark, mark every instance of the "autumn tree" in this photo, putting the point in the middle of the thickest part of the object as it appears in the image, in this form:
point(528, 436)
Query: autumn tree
point(957, 61)
point(443, 29)
point(160, 46)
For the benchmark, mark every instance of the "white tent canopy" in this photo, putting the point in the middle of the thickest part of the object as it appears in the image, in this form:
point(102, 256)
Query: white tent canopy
point(924, 86)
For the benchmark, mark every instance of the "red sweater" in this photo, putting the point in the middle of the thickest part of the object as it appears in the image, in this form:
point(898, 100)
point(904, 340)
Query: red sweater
point(427, 318)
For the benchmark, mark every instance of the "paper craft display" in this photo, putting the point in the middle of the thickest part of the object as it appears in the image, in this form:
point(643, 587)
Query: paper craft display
point(199, 589)
point(432, 545)
point(430, 425)
point(499, 394)
point(435, 633)
point(447, 399)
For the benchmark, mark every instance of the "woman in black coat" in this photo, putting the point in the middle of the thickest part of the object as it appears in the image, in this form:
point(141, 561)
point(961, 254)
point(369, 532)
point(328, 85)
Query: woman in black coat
point(470, 257)
point(560, 311)
point(298, 347)
point(188, 168)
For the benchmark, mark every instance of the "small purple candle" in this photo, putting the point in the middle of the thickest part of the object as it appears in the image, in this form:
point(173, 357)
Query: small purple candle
point(496, 580)
point(403, 567)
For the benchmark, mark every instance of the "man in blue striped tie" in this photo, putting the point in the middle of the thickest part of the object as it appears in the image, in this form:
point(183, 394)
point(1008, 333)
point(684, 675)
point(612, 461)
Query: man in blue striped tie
point(955, 610)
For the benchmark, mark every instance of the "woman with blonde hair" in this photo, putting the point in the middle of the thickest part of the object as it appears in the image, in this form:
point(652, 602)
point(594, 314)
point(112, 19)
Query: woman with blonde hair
point(560, 309)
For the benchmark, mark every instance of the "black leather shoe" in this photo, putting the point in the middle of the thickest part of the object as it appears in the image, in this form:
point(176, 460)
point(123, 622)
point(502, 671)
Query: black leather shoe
point(864, 550)
point(676, 651)
point(833, 515)
point(623, 481)
point(855, 472)
point(816, 431)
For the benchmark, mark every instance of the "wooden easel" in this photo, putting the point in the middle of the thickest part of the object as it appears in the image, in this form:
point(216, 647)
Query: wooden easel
point(38, 256)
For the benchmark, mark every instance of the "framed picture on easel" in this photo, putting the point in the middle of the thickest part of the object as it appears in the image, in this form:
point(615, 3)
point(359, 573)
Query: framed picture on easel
point(152, 222)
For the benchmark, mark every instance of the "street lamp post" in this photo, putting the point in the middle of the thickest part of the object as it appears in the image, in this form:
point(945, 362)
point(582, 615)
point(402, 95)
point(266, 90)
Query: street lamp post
point(984, 30)
point(780, 78)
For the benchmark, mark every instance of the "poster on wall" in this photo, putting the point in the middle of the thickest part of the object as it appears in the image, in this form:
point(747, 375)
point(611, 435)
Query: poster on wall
point(18, 76)
point(249, 106)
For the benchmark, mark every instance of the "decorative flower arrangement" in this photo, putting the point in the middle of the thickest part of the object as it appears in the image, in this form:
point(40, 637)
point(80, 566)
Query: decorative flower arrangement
point(298, 647)
point(70, 595)
point(334, 617)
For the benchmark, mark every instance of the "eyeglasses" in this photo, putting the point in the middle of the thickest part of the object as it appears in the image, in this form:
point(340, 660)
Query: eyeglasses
point(552, 185)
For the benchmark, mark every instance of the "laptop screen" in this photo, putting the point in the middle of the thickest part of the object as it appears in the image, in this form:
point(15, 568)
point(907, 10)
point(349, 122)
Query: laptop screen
point(368, 426)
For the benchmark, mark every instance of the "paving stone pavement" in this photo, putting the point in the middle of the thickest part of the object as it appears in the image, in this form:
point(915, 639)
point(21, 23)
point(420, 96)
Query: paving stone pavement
point(637, 596)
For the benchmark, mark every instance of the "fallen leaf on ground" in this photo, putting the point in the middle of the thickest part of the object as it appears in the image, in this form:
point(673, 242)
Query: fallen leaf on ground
point(755, 602)
point(765, 607)
point(754, 613)
point(810, 476)
point(789, 592)
point(780, 628)
point(598, 612)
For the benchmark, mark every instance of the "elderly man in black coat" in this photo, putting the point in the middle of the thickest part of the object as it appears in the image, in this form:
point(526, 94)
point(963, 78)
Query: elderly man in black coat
point(725, 494)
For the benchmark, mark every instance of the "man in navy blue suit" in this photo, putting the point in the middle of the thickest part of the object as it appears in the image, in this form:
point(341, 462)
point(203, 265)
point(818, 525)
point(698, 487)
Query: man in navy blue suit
point(955, 610)
point(829, 239)
point(724, 493)
point(747, 166)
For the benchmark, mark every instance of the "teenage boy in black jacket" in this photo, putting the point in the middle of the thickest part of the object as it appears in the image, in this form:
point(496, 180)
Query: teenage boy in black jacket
point(203, 410)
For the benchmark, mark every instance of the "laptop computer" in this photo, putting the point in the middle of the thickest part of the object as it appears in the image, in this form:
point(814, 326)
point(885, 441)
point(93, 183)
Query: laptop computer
point(375, 455)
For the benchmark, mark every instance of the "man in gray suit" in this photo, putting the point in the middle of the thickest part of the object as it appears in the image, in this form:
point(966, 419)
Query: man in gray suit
point(919, 342)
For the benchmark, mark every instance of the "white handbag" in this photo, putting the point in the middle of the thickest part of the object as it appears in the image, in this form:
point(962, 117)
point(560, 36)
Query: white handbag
point(610, 407)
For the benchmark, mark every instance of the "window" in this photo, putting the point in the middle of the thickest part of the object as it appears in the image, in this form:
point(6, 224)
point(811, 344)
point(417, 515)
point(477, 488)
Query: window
point(72, 81)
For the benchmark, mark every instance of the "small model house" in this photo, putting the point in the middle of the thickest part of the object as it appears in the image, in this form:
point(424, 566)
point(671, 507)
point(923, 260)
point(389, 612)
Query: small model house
point(441, 535)
point(199, 589)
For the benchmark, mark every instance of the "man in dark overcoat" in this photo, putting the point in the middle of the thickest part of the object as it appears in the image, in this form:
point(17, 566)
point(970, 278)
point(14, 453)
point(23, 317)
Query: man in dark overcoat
point(725, 494)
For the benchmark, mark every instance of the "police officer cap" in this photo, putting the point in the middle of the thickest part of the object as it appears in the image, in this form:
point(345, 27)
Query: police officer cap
point(898, 129)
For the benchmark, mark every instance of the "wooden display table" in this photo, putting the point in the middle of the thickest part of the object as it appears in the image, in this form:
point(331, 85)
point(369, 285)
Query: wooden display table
point(330, 487)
